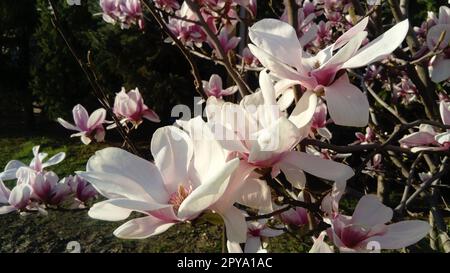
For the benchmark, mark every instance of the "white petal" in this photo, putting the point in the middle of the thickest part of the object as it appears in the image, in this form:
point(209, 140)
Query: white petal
point(381, 47)
point(235, 225)
point(304, 110)
point(278, 39)
point(141, 228)
point(370, 212)
point(402, 234)
point(347, 105)
point(117, 162)
point(209, 191)
point(56, 159)
point(172, 151)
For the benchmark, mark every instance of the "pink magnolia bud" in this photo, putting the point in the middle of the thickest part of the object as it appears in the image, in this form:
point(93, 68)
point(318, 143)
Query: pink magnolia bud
point(214, 87)
point(130, 107)
point(226, 42)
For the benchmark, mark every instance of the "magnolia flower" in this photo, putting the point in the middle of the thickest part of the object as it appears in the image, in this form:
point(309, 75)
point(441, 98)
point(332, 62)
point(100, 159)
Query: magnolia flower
point(127, 12)
point(440, 63)
point(367, 226)
point(226, 42)
point(167, 5)
point(89, 127)
point(16, 199)
point(188, 33)
point(277, 47)
point(259, 133)
point(80, 187)
point(248, 58)
point(368, 137)
point(214, 87)
point(257, 230)
point(189, 176)
point(130, 107)
point(131, 13)
point(111, 10)
point(45, 186)
point(37, 164)
point(405, 90)
point(420, 141)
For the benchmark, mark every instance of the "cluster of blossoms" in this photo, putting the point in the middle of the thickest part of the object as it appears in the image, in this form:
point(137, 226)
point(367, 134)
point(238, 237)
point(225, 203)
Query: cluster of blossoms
point(246, 162)
point(37, 188)
point(129, 107)
point(126, 12)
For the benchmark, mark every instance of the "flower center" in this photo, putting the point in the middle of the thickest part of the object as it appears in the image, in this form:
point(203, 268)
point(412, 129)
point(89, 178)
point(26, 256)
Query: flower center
point(179, 196)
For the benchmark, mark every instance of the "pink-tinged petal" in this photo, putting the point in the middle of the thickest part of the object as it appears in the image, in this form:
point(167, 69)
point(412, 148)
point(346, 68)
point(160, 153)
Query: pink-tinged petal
point(320, 246)
point(11, 169)
point(347, 105)
point(233, 247)
point(402, 234)
point(444, 15)
point(346, 52)
point(108, 212)
point(257, 195)
point(434, 33)
point(439, 69)
point(141, 228)
point(417, 139)
point(215, 82)
point(96, 118)
point(304, 110)
point(370, 212)
point(235, 190)
point(113, 185)
point(230, 91)
point(268, 92)
point(209, 156)
point(349, 34)
point(67, 125)
point(20, 196)
point(323, 168)
point(119, 172)
point(209, 191)
point(252, 245)
point(309, 36)
point(120, 209)
point(151, 115)
point(381, 47)
point(56, 159)
point(444, 110)
point(275, 66)
point(278, 39)
point(7, 209)
point(235, 225)
point(172, 150)
point(81, 117)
